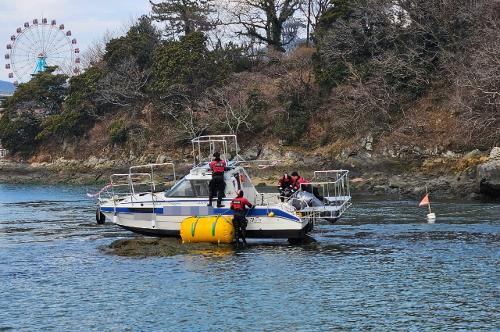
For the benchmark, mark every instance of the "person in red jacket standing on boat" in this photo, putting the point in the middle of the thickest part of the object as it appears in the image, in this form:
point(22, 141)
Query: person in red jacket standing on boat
point(239, 207)
point(217, 184)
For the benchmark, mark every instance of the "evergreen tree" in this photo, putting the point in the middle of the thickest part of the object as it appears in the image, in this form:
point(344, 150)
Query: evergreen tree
point(183, 16)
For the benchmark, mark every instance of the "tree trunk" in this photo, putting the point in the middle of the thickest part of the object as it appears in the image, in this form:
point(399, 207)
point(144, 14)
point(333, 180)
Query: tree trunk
point(308, 22)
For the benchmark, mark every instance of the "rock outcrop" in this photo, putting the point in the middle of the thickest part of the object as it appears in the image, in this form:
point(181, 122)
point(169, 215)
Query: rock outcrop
point(489, 175)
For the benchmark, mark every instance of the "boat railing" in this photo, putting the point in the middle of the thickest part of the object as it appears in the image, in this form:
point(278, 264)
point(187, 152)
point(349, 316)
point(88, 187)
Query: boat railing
point(332, 188)
point(133, 184)
point(3, 153)
point(160, 180)
point(130, 187)
point(332, 184)
point(268, 198)
point(271, 200)
point(130, 184)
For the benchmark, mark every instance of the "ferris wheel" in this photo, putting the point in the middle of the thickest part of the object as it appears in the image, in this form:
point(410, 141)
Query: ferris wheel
point(40, 44)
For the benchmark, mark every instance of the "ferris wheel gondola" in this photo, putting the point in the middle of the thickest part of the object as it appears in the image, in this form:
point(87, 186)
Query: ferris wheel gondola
point(39, 44)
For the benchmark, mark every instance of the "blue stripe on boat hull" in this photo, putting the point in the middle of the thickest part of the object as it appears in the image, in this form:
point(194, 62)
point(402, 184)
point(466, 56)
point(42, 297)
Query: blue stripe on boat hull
point(198, 211)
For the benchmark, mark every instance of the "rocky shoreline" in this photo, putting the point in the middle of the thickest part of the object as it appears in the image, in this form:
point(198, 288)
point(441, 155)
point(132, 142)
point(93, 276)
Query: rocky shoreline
point(473, 175)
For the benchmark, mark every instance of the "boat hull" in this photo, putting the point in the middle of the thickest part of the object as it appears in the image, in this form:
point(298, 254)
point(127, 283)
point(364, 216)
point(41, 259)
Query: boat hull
point(259, 226)
point(255, 234)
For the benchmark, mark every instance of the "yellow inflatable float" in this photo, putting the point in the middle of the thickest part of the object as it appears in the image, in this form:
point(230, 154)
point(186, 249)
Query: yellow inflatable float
point(214, 229)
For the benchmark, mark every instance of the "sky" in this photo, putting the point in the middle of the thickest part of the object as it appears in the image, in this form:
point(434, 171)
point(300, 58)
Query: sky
point(88, 20)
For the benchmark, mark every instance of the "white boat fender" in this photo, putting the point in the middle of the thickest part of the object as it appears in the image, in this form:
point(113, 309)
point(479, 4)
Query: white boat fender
point(99, 216)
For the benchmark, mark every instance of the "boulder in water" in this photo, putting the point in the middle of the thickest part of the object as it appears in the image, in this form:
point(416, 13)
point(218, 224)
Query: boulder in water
point(164, 247)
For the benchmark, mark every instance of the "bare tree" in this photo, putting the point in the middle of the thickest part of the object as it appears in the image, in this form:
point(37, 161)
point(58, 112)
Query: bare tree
point(476, 77)
point(188, 120)
point(227, 106)
point(95, 52)
point(124, 85)
point(312, 10)
point(178, 105)
point(264, 19)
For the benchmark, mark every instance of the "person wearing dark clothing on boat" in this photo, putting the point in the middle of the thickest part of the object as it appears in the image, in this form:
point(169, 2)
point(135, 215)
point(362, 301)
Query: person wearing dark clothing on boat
point(299, 183)
point(239, 206)
point(217, 184)
point(285, 186)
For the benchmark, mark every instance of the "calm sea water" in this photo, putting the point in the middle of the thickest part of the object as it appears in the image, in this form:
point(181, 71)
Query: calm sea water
point(382, 268)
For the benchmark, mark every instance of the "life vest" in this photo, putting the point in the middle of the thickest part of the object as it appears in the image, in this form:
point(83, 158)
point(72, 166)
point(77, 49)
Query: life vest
point(285, 182)
point(300, 180)
point(218, 166)
point(239, 204)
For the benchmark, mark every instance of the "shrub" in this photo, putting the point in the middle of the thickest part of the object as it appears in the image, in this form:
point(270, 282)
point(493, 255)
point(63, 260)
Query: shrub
point(63, 125)
point(293, 123)
point(118, 131)
point(18, 134)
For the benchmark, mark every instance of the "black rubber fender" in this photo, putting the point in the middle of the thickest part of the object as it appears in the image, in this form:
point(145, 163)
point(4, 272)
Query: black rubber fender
point(99, 216)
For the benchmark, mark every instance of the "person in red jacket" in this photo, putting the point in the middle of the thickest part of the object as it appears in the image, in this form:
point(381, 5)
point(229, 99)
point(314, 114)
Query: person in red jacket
point(217, 184)
point(299, 183)
point(285, 186)
point(239, 207)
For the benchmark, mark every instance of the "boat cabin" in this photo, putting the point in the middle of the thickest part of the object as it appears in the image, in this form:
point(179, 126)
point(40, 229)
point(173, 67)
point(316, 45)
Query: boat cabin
point(196, 184)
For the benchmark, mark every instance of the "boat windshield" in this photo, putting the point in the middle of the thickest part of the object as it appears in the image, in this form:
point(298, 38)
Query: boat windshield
point(189, 188)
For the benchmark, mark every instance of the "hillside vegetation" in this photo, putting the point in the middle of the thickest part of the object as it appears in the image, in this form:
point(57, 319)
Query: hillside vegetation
point(399, 78)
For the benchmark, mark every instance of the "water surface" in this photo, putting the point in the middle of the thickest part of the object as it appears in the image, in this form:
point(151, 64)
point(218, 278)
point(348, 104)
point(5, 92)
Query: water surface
point(382, 268)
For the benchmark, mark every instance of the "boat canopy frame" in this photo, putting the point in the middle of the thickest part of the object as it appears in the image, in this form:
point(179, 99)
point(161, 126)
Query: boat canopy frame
point(227, 144)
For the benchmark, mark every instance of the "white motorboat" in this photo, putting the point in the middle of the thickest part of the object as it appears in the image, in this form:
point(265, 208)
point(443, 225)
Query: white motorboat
point(138, 201)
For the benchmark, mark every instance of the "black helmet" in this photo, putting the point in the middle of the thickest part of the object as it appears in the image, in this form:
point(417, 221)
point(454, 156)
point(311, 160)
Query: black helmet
point(295, 174)
point(240, 193)
point(216, 154)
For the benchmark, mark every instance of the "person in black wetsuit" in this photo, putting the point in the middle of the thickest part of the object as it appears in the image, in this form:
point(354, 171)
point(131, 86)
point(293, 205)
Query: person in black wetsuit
point(239, 206)
point(217, 184)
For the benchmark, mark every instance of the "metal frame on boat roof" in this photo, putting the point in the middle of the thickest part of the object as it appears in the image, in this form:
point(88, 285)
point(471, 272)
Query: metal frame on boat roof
point(212, 140)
